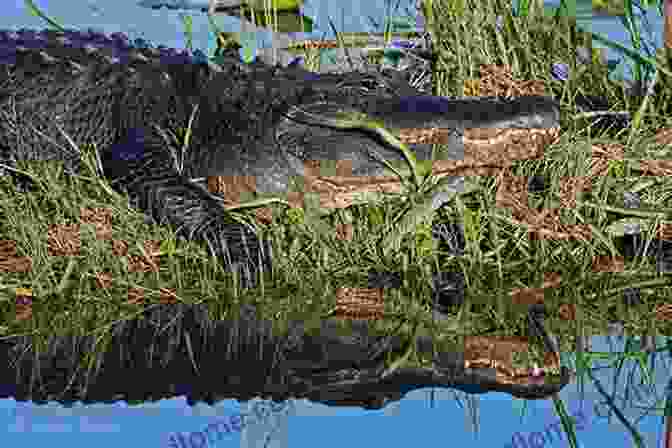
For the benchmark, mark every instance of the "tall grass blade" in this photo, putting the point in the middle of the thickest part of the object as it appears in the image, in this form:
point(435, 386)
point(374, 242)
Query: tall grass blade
point(34, 10)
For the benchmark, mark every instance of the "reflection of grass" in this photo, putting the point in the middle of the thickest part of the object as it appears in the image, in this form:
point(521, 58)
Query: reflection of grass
point(609, 7)
point(609, 399)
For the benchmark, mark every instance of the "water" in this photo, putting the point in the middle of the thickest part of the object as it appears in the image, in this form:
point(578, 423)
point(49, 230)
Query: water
point(165, 26)
point(649, 23)
point(356, 16)
point(348, 16)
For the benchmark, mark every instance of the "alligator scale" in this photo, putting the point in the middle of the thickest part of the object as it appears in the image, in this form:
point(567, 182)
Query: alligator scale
point(254, 130)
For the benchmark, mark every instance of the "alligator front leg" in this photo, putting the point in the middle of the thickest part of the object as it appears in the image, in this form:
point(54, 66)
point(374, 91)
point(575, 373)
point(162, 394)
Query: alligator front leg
point(141, 165)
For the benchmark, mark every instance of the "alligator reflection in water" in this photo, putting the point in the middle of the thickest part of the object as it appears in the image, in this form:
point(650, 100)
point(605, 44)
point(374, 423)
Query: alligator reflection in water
point(176, 350)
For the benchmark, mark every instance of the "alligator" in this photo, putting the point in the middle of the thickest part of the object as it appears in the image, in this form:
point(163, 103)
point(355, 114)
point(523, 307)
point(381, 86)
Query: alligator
point(255, 129)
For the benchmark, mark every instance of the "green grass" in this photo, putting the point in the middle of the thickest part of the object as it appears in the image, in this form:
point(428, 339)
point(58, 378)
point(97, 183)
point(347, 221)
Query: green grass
point(499, 255)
